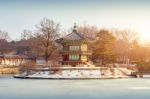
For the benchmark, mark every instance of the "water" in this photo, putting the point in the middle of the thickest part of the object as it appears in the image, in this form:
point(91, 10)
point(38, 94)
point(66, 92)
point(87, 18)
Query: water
point(11, 88)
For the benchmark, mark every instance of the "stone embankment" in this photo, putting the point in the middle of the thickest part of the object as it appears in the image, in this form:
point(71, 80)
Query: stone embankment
point(9, 70)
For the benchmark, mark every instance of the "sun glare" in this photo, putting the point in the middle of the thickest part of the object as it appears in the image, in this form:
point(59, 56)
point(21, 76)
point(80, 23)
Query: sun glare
point(144, 33)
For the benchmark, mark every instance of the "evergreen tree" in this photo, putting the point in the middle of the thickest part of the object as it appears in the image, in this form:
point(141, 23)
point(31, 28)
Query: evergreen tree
point(104, 47)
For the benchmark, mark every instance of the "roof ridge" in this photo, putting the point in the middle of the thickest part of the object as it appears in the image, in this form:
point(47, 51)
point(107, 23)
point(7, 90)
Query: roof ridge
point(67, 35)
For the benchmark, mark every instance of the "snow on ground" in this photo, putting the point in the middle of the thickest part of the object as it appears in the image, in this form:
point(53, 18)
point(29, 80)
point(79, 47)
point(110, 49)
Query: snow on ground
point(68, 74)
point(77, 73)
point(125, 70)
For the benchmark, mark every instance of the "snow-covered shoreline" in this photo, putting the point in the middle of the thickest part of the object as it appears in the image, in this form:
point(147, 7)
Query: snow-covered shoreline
point(78, 73)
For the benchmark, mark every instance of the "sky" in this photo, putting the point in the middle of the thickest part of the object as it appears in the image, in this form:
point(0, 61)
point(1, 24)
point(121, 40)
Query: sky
point(17, 15)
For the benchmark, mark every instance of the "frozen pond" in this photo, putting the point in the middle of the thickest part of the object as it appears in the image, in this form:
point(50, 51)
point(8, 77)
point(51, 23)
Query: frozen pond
point(11, 88)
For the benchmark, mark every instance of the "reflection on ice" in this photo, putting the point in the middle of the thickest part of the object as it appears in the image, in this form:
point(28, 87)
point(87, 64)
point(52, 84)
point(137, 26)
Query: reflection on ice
point(74, 89)
point(140, 88)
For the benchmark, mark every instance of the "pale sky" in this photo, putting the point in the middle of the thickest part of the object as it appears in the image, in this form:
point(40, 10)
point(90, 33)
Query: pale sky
point(16, 15)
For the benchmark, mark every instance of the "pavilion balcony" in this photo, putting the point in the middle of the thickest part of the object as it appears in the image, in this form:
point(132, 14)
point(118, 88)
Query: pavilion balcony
point(76, 52)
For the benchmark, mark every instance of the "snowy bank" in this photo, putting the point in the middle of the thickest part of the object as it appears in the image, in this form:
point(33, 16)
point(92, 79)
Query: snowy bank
point(75, 73)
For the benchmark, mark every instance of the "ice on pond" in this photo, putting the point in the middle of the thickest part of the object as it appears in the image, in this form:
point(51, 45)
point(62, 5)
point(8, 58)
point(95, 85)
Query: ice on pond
point(11, 88)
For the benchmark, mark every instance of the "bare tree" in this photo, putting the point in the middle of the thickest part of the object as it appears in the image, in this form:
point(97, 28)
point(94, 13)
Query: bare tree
point(28, 45)
point(4, 45)
point(88, 31)
point(47, 33)
point(126, 35)
point(26, 34)
point(4, 35)
point(28, 67)
point(125, 39)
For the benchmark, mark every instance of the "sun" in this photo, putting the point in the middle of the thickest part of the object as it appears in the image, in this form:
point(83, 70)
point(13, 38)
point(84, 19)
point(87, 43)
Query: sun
point(144, 32)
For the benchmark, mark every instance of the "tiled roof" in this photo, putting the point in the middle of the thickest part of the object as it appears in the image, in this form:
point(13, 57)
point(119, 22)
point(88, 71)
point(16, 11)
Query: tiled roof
point(73, 36)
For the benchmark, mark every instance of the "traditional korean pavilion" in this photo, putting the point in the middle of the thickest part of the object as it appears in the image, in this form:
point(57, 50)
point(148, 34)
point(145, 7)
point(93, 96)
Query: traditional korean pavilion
point(75, 48)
